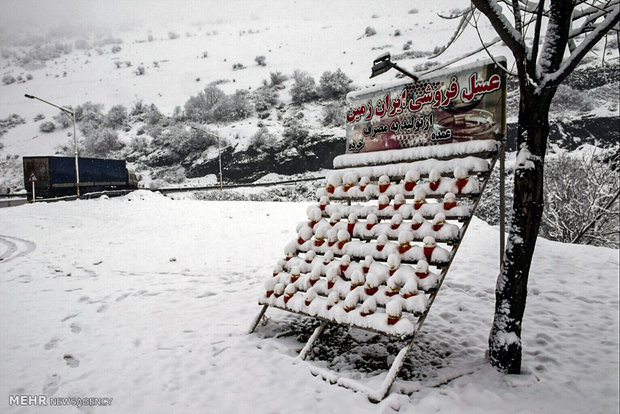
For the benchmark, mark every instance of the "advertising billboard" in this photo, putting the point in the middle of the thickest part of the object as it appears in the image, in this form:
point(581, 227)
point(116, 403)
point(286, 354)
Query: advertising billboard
point(467, 103)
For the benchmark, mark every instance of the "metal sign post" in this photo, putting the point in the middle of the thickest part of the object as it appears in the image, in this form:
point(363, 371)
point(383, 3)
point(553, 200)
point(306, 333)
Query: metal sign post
point(33, 179)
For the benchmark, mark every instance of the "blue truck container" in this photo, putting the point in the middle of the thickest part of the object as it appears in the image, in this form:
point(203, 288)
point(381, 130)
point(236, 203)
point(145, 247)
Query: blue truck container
point(55, 176)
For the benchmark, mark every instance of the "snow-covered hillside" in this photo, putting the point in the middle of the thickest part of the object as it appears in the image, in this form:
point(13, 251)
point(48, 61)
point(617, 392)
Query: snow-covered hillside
point(148, 301)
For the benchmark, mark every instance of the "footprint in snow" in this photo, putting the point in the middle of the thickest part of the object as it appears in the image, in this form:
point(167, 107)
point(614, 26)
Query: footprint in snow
point(51, 385)
point(75, 328)
point(51, 344)
point(102, 308)
point(71, 361)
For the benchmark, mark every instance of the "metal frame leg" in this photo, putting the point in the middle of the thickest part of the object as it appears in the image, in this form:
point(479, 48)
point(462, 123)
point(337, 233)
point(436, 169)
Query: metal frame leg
point(258, 318)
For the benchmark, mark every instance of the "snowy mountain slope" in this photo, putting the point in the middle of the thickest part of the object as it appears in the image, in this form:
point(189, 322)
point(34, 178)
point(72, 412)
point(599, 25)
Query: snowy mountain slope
point(187, 47)
point(148, 300)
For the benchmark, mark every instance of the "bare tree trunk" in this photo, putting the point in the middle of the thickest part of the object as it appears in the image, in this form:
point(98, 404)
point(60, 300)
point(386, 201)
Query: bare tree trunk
point(505, 346)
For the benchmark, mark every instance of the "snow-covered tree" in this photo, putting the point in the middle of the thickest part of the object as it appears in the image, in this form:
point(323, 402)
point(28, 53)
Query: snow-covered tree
point(548, 39)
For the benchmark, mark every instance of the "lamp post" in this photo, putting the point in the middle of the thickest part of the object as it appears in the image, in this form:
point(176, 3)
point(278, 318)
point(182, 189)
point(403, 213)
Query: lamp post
point(383, 63)
point(70, 114)
point(219, 151)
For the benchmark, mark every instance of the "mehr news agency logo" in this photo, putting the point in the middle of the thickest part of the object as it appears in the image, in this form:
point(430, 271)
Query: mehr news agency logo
point(44, 400)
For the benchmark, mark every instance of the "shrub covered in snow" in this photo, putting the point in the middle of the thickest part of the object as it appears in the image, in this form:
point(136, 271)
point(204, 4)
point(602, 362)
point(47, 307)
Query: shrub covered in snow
point(370, 31)
point(262, 141)
point(295, 133)
point(198, 108)
point(333, 114)
point(334, 84)
point(277, 79)
point(47, 126)
point(8, 79)
point(304, 88)
point(260, 60)
point(116, 117)
point(101, 142)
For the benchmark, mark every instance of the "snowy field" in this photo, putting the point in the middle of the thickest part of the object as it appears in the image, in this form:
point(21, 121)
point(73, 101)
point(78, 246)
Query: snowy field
point(148, 301)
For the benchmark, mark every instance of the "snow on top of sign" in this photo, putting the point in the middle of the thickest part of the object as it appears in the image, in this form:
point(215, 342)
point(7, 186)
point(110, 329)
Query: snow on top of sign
point(416, 153)
point(443, 73)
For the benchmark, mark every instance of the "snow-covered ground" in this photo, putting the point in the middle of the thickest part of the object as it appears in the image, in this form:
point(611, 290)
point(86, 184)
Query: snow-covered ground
point(148, 300)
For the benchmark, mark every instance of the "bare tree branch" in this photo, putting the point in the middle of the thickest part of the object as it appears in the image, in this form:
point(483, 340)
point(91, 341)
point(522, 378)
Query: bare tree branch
point(502, 26)
point(457, 33)
point(591, 39)
point(587, 227)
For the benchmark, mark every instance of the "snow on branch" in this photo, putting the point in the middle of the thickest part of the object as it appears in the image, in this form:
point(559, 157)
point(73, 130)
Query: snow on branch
point(555, 78)
point(511, 37)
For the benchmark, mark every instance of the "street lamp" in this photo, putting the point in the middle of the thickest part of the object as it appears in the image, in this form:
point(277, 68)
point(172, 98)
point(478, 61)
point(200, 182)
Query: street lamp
point(219, 151)
point(70, 114)
point(383, 63)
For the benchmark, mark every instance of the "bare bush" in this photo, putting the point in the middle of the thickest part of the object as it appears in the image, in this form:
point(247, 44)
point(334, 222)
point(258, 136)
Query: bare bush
point(581, 200)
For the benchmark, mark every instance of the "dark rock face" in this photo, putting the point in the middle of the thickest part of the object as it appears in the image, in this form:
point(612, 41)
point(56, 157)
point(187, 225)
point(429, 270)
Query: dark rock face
point(571, 134)
point(247, 166)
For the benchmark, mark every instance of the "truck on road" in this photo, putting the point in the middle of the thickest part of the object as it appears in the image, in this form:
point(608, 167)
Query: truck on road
point(54, 176)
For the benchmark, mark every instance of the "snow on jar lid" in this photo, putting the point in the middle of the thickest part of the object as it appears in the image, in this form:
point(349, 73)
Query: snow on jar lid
point(405, 237)
point(270, 284)
point(310, 255)
point(434, 175)
point(384, 179)
point(369, 306)
point(417, 218)
point(345, 260)
point(368, 261)
point(439, 218)
point(449, 198)
point(399, 200)
point(429, 241)
point(460, 173)
point(396, 221)
point(320, 193)
point(332, 299)
point(412, 175)
point(314, 214)
point(419, 195)
point(304, 234)
point(410, 289)
point(364, 181)
point(324, 200)
point(393, 261)
point(315, 274)
point(349, 179)
point(310, 296)
point(328, 257)
point(333, 179)
point(371, 219)
point(331, 276)
point(394, 308)
point(382, 239)
point(350, 302)
point(357, 279)
point(334, 218)
point(278, 289)
point(383, 199)
point(332, 236)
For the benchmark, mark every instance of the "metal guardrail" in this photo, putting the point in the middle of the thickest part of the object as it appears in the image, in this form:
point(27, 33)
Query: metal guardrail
point(228, 186)
point(8, 200)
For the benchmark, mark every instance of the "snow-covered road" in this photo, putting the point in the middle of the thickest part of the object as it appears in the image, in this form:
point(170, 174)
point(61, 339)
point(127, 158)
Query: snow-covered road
point(148, 300)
